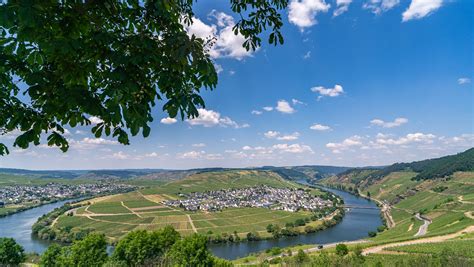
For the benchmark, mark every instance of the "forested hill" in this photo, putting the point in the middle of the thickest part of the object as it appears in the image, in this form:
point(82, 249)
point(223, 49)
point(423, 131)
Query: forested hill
point(435, 168)
point(425, 169)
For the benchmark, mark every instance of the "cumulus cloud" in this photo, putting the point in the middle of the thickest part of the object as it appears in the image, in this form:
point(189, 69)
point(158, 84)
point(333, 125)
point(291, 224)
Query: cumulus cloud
point(379, 6)
point(256, 112)
point(464, 80)
point(227, 44)
point(389, 124)
point(284, 107)
point(120, 155)
point(320, 127)
point(95, 120)
point(409, 138)
point(199, 155)
point(168, 120)
point(302, 13)
point(278, 136)
point(278, 148)
point(211, 118)
point(421, 8)
point(331, 92)
point(342, 6)
point(198, 145)
point(90, 143)
point(297, 102)
point(268, 108)
point(345, 144)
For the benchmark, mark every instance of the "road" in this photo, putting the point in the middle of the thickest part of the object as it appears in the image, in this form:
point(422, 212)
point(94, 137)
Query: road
point(423, 228)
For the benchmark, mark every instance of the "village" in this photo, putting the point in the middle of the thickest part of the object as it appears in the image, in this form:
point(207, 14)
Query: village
point(17, 194)
point(287, 199)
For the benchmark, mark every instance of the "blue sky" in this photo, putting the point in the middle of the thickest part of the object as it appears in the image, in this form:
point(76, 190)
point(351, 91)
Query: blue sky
point(356, 83)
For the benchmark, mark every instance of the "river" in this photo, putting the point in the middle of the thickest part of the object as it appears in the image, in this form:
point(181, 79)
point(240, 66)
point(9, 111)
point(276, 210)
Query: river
point(355, 225)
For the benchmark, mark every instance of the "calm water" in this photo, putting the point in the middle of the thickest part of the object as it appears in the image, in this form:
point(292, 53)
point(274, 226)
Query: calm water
point(355, 225)
point(18, 226)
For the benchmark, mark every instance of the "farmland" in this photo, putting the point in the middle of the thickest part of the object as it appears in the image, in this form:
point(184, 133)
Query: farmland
point(116, 215)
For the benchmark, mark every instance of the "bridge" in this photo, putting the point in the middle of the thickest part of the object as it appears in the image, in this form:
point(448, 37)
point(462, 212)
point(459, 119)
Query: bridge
point(360, 207)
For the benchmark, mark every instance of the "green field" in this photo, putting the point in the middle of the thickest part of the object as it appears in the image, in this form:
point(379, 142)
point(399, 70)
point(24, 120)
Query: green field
point(464, 247)
point(118, 214)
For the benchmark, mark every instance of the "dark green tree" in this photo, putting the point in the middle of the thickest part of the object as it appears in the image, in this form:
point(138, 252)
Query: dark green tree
point(191, 251)
point(341, 249)
point(89, 252)
point(301, 256)
point(109, 59)
point(51, 257)
point(11, 253)
point(142, 247)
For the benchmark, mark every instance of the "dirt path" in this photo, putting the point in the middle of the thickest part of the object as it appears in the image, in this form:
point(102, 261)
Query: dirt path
point(435, 239)
point(469, 214)
point(132, 211)
point(461, 199)
point(191, 223)
point(410, 227)
point(423, 228)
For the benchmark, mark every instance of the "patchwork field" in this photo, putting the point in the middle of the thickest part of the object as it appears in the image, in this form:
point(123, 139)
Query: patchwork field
point(118, 214)
point(446, 203)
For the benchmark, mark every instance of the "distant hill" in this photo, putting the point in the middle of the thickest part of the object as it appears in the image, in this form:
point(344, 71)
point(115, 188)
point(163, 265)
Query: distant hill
point(425, 169)
point(296, 173)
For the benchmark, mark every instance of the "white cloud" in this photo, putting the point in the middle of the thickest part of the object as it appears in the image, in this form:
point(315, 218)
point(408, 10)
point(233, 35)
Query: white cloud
point(297, 102)
point(389, 124)
point(278, 136)
point(199, 155)
point(421, 8)
point(331, 92)
point(320, 127)
point(168, 120)
point(95, 120)
point(271, 134)
point(90, 143)
point(284, 107)
point(307, 55)
point(227, 44)
point(256, 112)
point(198, 145)
point(120, 155)
point(218, 68)
point(409, 138)
point(289, 137)
point(191, 155)
point(278, 148)
point(80, 132)
point(151, 155)
point(342, 6)
point(303, 13)
point(293, 148)
point(379, 6)
point(268, 108)
point(464, 80)
point(211, 118)
point(345, 144)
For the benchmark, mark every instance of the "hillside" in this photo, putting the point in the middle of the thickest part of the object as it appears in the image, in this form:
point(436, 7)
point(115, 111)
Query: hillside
point(440, 190)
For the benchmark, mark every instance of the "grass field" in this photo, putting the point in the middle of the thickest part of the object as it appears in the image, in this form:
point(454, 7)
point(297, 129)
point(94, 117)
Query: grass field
point(118, 214)
point(465, 247)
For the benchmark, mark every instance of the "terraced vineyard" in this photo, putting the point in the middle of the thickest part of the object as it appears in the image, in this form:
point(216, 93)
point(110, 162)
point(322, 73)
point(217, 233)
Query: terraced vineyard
point(118, 214)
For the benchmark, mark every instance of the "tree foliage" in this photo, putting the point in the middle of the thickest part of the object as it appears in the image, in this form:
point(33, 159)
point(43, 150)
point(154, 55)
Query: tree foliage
point(191, 251)
point(11, 253)
point(62, 62)
point(140, 247)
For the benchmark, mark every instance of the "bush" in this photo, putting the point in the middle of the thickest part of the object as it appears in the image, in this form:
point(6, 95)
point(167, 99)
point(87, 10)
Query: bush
point(341, 249)
point(372, 234)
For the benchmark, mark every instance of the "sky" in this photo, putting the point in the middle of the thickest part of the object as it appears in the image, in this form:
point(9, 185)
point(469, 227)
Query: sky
point(356, 83)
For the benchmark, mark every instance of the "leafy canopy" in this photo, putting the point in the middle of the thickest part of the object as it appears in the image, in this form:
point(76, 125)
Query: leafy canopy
point(11, 253)
point(109, 59)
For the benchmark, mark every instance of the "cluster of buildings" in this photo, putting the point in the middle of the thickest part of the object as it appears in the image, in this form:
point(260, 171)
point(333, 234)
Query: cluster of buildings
point(287, 199)
point(17, 194)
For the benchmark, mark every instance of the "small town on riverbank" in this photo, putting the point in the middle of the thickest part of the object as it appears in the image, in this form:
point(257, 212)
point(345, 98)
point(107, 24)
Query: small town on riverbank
point(287, 199)
point(18, 194)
